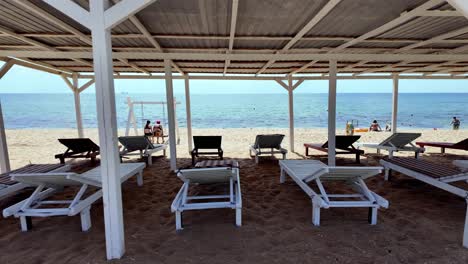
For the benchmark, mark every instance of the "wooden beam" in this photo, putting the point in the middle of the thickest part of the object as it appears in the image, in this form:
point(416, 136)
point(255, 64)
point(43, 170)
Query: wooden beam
point(313, 22)
point(6, 67)
point(235, 5)
point(73, 10)
point(123, 10)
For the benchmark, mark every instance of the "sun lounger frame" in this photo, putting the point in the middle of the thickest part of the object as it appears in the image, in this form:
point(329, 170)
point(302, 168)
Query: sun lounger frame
point(206, 143)
point(145, 153)
point(12, 187)
point(461, 145)
point(324, 200)
point(389, 146)
point(233, 200)
point(92, 152)
point(346, 148)
point(45, 187)
point(258, 150)
point(441, 182)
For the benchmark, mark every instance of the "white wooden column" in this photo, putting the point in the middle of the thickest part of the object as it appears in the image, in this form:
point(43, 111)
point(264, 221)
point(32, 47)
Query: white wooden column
point(170, 114)
point(100, 21)
point(188, 112)
point(79, 118)
point(332, 114)
point(395, 104)
point(291, 112)
point(4, 157)
point(107, 124)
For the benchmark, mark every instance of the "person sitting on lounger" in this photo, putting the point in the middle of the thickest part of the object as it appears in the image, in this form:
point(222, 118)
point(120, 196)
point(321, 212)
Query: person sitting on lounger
point(455, 123)
point(158, 132)
point(147, 130)
point(375, 126)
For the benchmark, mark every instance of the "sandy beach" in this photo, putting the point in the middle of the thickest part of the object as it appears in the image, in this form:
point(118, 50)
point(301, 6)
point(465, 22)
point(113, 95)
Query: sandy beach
point(40, 145)
point(422, 225)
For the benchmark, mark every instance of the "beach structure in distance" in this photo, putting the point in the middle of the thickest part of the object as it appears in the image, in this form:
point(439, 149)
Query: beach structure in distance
point(282, 42)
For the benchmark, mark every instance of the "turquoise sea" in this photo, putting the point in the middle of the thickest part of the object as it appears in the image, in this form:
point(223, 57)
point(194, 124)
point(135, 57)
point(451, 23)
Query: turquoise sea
point(241, 110)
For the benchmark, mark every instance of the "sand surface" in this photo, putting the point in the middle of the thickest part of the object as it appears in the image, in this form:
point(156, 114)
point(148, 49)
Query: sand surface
point(422, 225)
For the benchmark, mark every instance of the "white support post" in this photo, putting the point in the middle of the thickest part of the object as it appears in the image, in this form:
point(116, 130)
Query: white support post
point(188, 112)
point(79, 119)
point(291, 112)
point(170, 114)
point(395, 104)
point(107, 124)
point(4, 157)
point(332, 114)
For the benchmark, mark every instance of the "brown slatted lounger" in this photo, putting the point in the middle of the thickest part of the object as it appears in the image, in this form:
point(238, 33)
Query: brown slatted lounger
point(462, 145)
point(78, 148)
point(344, 143)
point(437, 175)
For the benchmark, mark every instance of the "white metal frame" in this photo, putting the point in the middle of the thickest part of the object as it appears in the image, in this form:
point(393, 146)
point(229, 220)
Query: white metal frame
point(442, 183)
point(146, 153)
point(233, 200)
point(353, 175)
point(392, 148)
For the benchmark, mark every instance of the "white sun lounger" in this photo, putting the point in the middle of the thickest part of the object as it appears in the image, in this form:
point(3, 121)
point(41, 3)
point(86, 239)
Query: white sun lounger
point(396, 142)
point(205, 175)
point(141, 146)
point(267, 145)
point(49, 183)
point(437, 175)
point(306, 171)
point(9, 187)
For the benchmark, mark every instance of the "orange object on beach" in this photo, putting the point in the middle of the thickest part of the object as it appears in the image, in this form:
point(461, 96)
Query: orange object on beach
point(356, 130)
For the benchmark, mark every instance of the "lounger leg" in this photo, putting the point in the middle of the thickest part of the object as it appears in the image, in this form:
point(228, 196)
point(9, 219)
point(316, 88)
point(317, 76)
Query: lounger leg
point(465, 231)
point(307, 151)
point(282, 176)
point(358, 158)
point(150, 160)
point(372, 217)
point(239, 217)
point(256, 159)
point(284, 156)
point(387, 175)
point(178, 221)
point(26, 223)
point(315, 215)
point(378, 151)
point(140, 178)
point(85, 216)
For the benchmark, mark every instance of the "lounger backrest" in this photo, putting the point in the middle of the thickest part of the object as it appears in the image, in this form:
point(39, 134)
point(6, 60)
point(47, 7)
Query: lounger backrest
point(268, 141)
point(206, 175)
point(133, 143)
point(79, 145)
point(346, 173)
point(207, 142)
point(400, 140)
point(52, 179)
point(462, 144)
point(343, 142)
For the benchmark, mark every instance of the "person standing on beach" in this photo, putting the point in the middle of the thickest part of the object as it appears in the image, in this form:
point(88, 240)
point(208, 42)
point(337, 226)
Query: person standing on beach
point(158, 132)
point(147, 130)
point(455, 123)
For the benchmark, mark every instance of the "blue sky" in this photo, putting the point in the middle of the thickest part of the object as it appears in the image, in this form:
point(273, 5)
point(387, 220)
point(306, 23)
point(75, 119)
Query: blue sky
point(23, 80)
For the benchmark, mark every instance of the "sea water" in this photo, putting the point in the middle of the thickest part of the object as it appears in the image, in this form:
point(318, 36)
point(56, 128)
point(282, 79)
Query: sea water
point(241, 110)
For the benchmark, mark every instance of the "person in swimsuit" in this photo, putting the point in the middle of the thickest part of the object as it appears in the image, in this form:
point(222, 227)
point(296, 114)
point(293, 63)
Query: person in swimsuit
point(147, 130)
point(455, 123)
point(158, 132)
point(375, 126)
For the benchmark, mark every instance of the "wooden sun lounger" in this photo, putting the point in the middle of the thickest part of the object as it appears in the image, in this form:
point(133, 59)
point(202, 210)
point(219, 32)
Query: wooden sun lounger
point(437, 175)
point(395, 143)
point(78, 148)
point(9, 187)
point(267, 145)
point(305, 171)
point(209, 172)
point(141, 146)
point(462, 145)
point(210, 143)
point(49, 183)
point(343, 143)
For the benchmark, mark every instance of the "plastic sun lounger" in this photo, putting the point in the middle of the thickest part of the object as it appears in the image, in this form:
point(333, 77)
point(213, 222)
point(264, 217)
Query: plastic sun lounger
point(142, 145)
point(344, 143)
point(437, 175)
point(49, 183)
point(206, 143)
point(396, 142)
point(209, 172)
point(267, 145)
point(462, 145)
point(78, 148)
point(9, 187)
point(305, 171)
